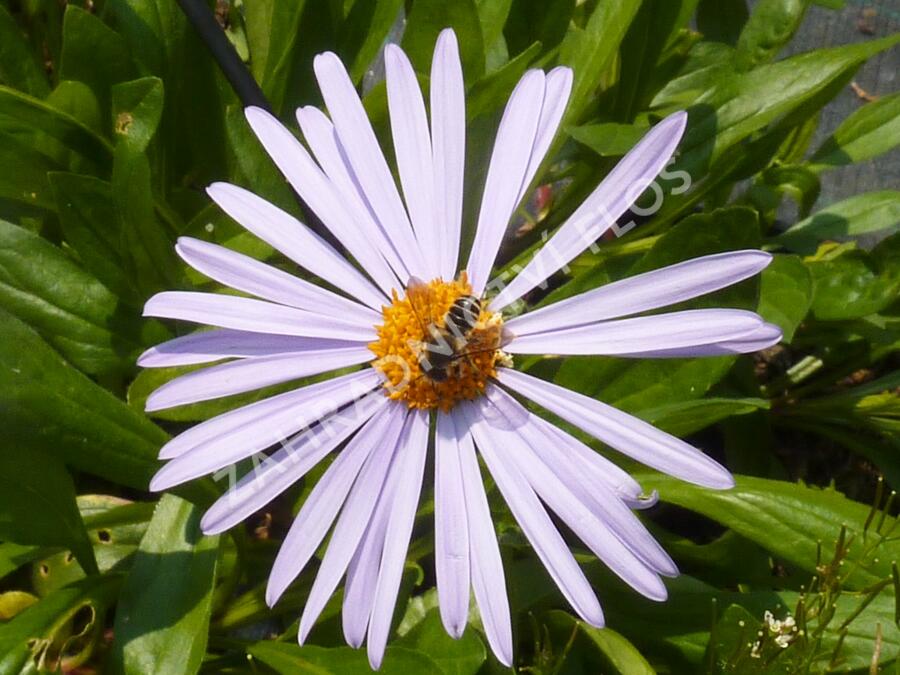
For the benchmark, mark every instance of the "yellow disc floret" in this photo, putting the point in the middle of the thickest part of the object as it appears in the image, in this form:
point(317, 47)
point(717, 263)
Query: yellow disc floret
point(414, 325)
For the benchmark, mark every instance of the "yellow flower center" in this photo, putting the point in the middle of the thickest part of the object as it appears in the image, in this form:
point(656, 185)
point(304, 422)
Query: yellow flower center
point(429, 362)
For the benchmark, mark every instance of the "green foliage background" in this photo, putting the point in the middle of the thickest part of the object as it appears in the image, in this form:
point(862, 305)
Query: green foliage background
point(114, 117)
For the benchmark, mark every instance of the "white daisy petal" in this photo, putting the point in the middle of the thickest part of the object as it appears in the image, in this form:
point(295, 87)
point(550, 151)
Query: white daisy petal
point(567, 479)
point(599, 211)
point(532, 518)
point(506, 174)
point(448, 138)
point(351, 526)
point(288, 235)
point(451, 532)
point(366, 158)
point(256, 316)
point(237, 434)
point(767, 335)
point(324, 501)
point(245, 274)
point(556, 97)
point(236, 377)
point(362, 573)
point(488, 578)
point(594, 466)
point(222, 343)
point(288, 465)
point(317, 191)
point(412, 145)
point(650, 290)
point(326, 146)
point(411, 453)
point(627, 434)
point(632, 337)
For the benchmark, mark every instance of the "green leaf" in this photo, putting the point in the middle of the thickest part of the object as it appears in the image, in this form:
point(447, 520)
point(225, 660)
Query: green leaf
point(453, 657)
point(94, 54)
point(20, 111)
point(650, 32)
point(37, 505)
point(18, 66)
point(609, 139)
point(27, 185)
point(683, 418)
point(13, 556)
point(852, 286)
point(527, 21)
point(866, 133)
point(428, 18)
point(785, 293)
point(851, 217)
point(90, 223)
point(770, 27)
point(737, 107)
point(789, 519)
point(50, 406)
point(273, 27)
point(66, 622)
point(620, 654)
point(364, 32)
point(290, 659)
point(71, 309)
point(491, 92)
point(722, 20)
point(137, 110)
point(590, 51)
point(162, 618)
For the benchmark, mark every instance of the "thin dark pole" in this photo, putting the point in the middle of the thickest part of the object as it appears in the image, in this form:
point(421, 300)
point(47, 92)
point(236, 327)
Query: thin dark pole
point(209, 30)
point(204, 22)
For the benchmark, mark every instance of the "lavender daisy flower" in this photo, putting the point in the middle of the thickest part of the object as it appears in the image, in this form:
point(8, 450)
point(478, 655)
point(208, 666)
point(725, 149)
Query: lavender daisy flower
point(432, 347)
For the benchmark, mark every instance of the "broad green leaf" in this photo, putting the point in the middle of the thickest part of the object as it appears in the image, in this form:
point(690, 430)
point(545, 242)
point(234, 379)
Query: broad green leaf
point(708, 63)
point(153, 29)
point(647, 37)
point(722, 20)
point(27, 185)
point(90, 223)
point(428, 18)
point(866, 133)
point(528, 21)
point(50, 406)
point(785, 293)
point(273, 27)
point(738, 107)
point(609, 139)
point(289, 659)
point(364, 32)
point(616, 654)
point(852, 286)
point(789, 519)
point(94, 54)
point(71, 309)
point(23, 112)
point(770, 27)
point(162, 618)
point(65, 622)
point(590, 51)
point(851, 217)
point(493, 15)
point(37, 504)
point(137, 110)
point(14, 602)
point(18, 66)
point(453, 657)
point(13, 556)
point(683, 418)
